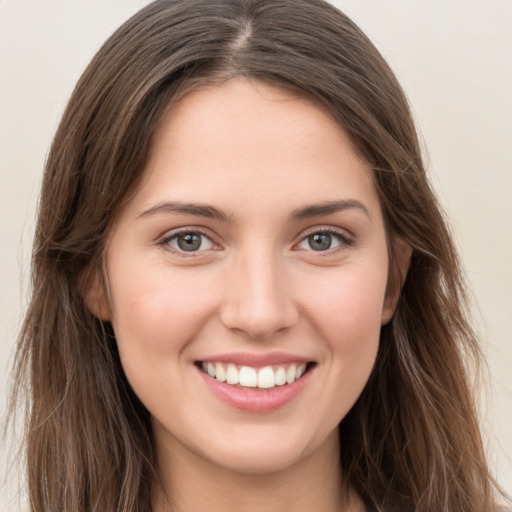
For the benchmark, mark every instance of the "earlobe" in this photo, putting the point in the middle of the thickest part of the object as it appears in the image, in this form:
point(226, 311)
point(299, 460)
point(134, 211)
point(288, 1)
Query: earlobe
point(95, 296)
point(399, 267)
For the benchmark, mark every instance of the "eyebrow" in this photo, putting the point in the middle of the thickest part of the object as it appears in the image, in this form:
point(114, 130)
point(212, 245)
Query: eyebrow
point(196, 209)
point(327, 208)
point(204, 210)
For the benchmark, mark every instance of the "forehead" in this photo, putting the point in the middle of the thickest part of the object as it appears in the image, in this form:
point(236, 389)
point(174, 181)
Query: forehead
point(252, 108)
point(247, 141)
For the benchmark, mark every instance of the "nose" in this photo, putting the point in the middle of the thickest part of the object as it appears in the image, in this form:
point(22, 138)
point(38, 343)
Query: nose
point(257, 298)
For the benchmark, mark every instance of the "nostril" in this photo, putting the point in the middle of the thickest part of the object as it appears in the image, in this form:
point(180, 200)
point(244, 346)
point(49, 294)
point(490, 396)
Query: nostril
point(261, 325)
point(257, 302)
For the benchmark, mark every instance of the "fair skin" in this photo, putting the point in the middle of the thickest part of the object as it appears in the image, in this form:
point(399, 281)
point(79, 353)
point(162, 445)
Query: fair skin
point(255, 239)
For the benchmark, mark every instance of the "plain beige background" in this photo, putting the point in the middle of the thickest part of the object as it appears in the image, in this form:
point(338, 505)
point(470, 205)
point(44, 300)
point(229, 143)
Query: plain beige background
point(454, 59)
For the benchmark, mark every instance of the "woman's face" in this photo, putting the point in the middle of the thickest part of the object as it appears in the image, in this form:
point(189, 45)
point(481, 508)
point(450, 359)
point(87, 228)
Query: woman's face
point(254, 251)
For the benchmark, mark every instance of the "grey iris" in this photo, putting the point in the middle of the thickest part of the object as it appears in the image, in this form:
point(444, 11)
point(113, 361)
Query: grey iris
point(320, 241)
point(189, 242)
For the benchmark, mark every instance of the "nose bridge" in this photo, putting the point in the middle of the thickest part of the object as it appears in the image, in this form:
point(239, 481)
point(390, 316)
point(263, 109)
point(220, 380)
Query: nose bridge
point(258, 299)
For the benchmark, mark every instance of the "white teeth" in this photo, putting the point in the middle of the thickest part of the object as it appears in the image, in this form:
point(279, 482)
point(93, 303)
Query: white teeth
point(280, 376)
point(290, 374)
point(264, 378)
point(248, 377)
point(220, 374)
point(232, 374)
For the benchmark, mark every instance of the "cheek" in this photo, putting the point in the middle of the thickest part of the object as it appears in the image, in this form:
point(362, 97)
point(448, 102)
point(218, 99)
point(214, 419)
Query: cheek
point(346, 313)
point(155, 313)
point(349, 302)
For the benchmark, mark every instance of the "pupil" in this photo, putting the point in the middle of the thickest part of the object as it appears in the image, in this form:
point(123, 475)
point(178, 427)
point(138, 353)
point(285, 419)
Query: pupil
point(189, 242)
point(320, 241)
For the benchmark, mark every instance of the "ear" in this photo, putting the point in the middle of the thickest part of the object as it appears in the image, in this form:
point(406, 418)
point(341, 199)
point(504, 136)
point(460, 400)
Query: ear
point(96, 296)
point(398, 268)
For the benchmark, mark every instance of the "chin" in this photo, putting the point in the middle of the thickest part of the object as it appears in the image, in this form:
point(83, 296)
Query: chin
point(257, 461)
point(269, 452)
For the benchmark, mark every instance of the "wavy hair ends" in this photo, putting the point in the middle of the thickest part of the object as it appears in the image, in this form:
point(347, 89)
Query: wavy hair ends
point(412, 440)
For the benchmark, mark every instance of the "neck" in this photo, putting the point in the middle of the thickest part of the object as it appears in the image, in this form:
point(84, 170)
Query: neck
point(190, 483)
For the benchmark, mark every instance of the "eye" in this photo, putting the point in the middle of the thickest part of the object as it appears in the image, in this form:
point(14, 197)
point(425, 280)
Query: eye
point(188, 241)
point(324, 240)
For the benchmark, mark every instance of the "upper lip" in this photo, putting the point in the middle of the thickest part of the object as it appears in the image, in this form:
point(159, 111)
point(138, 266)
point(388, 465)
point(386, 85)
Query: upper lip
point(256, 360)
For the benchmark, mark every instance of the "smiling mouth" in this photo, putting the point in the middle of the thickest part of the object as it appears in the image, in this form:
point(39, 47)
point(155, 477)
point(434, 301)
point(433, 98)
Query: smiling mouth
point(267, 377)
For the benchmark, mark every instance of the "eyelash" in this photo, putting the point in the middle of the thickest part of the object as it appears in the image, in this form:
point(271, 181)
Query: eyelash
point(165, 242)
point(344, 241)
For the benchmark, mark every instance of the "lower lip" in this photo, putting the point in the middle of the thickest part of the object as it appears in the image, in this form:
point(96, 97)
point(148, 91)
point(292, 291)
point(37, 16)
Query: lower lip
point(250, 400)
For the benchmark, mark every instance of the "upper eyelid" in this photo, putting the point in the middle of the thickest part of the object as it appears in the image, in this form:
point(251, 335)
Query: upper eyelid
point(326, 229)
point(171, 233)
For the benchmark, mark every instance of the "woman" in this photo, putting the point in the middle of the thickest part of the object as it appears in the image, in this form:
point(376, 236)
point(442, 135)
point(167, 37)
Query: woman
point(245, 295)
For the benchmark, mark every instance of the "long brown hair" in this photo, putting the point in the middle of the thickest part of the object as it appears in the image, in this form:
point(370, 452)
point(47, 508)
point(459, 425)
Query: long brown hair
point(412, 440)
